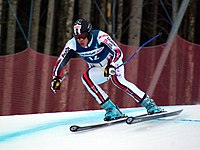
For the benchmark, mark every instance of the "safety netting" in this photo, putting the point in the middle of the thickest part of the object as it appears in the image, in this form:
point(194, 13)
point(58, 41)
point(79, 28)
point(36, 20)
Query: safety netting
point(26, 76)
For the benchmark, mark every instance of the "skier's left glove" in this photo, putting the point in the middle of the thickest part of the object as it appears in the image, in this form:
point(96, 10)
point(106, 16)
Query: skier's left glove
point(110, 70)
point(55, 84)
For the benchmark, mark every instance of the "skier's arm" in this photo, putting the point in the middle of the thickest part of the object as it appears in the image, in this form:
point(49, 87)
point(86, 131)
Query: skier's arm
point(62, 60)
point(113, 48)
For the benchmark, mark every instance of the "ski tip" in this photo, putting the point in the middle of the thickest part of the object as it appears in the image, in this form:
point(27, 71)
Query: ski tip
point(179, 111)
point(74, 128)
point(129, 120)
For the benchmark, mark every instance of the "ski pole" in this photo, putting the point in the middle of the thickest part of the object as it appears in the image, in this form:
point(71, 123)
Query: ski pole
point(147, 42)
point(66, 74)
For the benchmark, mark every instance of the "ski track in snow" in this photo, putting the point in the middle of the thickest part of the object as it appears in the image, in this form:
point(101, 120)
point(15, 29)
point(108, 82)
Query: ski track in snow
point(50, 131)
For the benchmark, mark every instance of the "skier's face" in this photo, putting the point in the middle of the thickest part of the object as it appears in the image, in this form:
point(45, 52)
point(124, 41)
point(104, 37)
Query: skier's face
point(83, 42)
point(82, 39)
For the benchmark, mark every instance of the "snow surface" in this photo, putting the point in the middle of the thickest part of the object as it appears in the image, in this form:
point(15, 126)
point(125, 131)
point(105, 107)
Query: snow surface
point(50, 131)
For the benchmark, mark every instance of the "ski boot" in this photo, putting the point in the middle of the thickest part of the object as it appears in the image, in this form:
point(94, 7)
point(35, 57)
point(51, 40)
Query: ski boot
point(112, 111)
point(151, 106)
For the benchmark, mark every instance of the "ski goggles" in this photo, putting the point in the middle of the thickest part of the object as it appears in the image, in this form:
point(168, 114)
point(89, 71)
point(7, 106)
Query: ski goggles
point(80, 36)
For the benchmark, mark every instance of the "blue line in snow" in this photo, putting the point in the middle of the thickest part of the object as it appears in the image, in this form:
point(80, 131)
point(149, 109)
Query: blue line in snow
point(12, 135)
point(8, 136)
point(45, 126)
point(188, 120)
point(77, 120)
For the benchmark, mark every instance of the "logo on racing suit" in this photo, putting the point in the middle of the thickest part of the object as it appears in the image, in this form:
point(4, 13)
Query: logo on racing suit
point(91, 53)
point(64, 53)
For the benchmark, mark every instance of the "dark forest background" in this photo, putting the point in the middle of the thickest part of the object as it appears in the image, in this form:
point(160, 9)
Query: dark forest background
point(45, 25)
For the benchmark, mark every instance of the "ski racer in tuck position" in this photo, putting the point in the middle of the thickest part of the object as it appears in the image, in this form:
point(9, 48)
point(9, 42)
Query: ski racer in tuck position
point(103, 55)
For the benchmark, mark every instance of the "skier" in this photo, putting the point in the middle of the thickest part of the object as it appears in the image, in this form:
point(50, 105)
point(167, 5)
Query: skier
point(103, 56)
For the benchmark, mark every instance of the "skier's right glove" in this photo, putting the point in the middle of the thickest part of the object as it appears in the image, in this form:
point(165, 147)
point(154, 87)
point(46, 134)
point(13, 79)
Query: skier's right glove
point(55, 84)
point(110, 70)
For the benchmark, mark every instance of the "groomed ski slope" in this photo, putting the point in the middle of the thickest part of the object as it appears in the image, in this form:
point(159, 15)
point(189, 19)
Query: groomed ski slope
point(50, 131)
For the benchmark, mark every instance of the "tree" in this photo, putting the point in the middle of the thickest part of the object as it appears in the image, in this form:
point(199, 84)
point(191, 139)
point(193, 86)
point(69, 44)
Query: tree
point(190, 54)
point(102, 23)
point(49, 27)
point(120, 20)
point(84, 9)
point(173, 62)
point(135, 22)
point(47, 49)
point(66, 33)
point(1, 9)
point(9, 62)
point(35, 24)
point(64, 25)
point(134, 32)
point(69, 21)
point(109, 16)
point(10, 46)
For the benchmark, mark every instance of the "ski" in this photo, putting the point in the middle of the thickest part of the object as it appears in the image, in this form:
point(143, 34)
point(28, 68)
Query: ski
point(147, 117)
point(128, 120)
point(75, 128)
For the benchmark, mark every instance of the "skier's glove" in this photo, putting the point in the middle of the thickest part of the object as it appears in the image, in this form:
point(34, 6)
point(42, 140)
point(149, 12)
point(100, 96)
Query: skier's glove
point(55, 84)
point(110, 70)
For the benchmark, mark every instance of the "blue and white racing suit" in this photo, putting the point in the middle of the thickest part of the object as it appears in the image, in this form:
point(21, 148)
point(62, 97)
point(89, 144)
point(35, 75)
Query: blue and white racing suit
point(100, 51)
